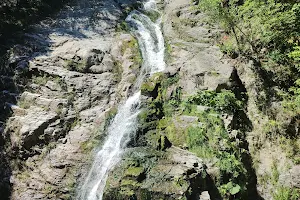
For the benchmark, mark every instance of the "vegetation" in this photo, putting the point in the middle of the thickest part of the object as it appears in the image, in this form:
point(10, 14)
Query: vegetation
point(206, 136)
point(153, 15)
point(211, 140)
point(224, 101)
point(266, 32)
point(130, 49)
point(25, 103)
point(79, 66)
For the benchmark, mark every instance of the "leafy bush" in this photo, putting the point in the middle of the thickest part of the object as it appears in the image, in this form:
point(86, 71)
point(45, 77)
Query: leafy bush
point(258, 23)
point(224, 101)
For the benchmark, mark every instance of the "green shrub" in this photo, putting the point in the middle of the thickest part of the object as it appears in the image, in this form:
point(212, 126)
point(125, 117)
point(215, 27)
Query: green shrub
point(225, 101)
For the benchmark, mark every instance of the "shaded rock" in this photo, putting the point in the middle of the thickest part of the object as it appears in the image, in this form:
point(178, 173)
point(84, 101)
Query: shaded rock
point(164, 143)
point(53, 86)
point(100, 65)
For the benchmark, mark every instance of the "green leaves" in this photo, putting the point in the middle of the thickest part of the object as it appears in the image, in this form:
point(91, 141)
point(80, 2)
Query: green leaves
point(295, 56)
point(235, 189)
point(256, 24)
point(224, 101)
point(230, 189)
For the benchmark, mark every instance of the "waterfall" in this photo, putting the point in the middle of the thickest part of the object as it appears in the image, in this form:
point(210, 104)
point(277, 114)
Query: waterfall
point(124, 125)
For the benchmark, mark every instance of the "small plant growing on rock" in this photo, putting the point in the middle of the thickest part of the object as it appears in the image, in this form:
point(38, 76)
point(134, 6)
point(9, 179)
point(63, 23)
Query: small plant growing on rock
point(153, 15)
point(224, 101)
point(79, 66)
point(40, 80)
point(24, 103)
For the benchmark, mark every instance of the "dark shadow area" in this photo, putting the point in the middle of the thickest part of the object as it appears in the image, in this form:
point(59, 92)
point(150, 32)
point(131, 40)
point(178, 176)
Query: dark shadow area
point(252, 178)
point(199, 184)
point(243, 124)
point(5, 173)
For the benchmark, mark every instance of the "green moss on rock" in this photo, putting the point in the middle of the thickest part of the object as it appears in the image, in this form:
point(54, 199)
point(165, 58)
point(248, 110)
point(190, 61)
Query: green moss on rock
point(134, 171)
point(151, 85)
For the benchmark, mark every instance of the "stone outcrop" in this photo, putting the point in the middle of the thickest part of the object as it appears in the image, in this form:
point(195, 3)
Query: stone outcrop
point(175, 174)
point(191, 51)
point(75, 64)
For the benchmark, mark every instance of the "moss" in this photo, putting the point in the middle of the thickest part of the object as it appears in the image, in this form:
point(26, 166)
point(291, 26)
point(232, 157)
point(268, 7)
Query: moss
point(23, 175)
point(127, 192)
point(122, 27)
point(109, 116)
point(134, 54)
point(129, 183)
point(175, 134)
point(150, 86)
point(168, 50)
point(134, 171)
point(126, 179)
point(117, 71)
point(153, 15)
point(147, 88)
point(40, 80)
point(89, 145)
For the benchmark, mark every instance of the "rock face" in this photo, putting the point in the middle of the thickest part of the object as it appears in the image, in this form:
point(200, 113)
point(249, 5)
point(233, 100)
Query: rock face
point(160, 164)
point(78, 66)
point(189, 37)
point(74, 62)
point(177, 174)
point(291, 178)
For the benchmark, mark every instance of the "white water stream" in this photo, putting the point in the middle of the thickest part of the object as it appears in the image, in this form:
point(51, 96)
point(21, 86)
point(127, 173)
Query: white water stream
point(124, 125)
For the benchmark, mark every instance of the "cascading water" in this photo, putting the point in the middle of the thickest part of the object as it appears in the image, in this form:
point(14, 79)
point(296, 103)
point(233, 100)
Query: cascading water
point(124, 125)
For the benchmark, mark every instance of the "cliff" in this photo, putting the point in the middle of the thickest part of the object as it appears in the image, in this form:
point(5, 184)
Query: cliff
point(201, 133)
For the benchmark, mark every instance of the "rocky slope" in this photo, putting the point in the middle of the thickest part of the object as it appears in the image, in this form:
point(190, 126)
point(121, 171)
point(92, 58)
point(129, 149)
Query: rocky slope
point(198, 133)
point(195, 64)
point(207, 104)
point(79, 69)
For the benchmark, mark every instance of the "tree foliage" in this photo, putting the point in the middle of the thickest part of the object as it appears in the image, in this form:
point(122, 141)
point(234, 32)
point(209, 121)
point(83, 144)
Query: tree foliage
point(261, 24)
